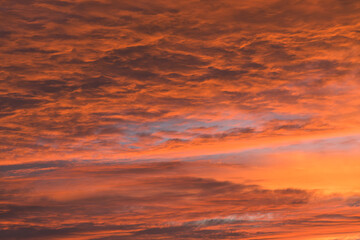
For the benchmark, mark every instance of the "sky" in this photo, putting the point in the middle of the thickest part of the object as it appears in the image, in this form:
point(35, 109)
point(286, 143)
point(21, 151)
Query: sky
point(167, 119)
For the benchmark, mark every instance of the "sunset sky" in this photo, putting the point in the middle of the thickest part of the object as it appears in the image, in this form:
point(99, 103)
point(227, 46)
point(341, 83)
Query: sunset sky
point(169, 119)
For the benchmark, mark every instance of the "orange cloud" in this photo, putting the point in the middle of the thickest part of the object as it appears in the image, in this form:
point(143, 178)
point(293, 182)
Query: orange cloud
point(86, 83)
point(57, 200)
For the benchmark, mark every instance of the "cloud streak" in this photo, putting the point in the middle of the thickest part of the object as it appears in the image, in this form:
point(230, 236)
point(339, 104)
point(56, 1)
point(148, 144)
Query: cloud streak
point(169, 200)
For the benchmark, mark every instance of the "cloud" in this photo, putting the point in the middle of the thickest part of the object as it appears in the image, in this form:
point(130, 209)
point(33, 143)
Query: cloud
point(97, 95)
point(143, 63)
point(164, 200)
point(152, 191)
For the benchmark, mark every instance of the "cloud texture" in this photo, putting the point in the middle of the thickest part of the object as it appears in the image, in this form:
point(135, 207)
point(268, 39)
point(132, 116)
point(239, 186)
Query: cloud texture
point(168, 200)
point(99, 97)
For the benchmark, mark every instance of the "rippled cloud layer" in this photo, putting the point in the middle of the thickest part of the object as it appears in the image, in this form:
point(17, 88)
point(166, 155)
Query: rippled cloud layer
point(179, 119)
